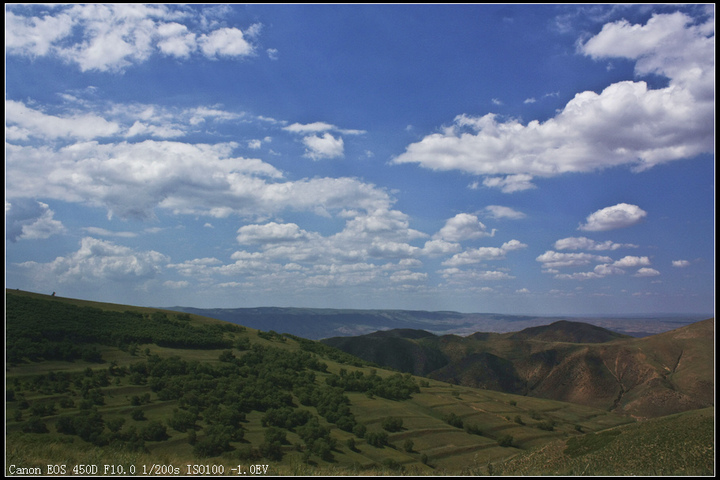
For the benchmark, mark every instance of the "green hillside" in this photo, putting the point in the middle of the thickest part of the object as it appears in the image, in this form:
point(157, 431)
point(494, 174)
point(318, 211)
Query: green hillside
point(137, 388)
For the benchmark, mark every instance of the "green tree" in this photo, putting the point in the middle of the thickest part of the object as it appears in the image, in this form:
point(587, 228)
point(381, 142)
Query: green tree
point(392, 424)
point(154, 431)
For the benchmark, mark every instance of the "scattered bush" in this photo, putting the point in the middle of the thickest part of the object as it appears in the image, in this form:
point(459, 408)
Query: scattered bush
point(454, 420)
point(408, 445)
point(376, 439)
point(506, 441)
point(392, 424)
point(473, 429)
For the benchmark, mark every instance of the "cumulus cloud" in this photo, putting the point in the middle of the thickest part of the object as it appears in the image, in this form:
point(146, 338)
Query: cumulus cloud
point(554, 260)
point(627, 123)
point(498, 211)
point(132, 179)
point(326, 146)
point(463, 226)
point(673, 45)
point(113, 37)
point(26, 122)
point(477, 255)
point(27, 219)
point(510, 183)
point(584, 243)
point(270, 233)
point(610, 218)
point(99, 261)
point(440, 247)
point(680, 263)
point(647, 272)
point(225, 42)
point(631, 261)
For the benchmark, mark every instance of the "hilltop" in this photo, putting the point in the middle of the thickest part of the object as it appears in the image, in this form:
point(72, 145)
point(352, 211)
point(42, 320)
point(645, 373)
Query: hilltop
point(140, 388)
point(570, 361)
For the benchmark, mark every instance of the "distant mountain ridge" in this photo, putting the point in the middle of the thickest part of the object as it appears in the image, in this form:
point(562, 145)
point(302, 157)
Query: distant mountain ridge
point(569, 361)
point(318, 323)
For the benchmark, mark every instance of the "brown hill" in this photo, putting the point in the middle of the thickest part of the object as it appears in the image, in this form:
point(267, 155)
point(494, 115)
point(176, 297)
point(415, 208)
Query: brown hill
point(569, 361)
point(565, 331)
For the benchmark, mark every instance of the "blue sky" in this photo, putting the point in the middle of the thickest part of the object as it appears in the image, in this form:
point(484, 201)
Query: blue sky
point(552, 159)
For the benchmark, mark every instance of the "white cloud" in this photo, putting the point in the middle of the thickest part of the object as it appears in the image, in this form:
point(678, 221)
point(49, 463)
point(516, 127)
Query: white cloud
point(463, 226)
point(440, 247)
point(673, 45)
point(317, 127)
point(628, 123)
point(112, 37)
point(647, 272)
point(199, 115)
point(477, 255)
point(157, 131)
point(26, 123)
point(455, 276)
point(584, 243)
point(29, 122)
point(271, 233)
point(407, 276)
point(510, 183)
point(680, 263)
point(326, 146)
point(553, 260)
point(498, 211)
point(225, 42)
point(176, 40)
point(33, 36)
point(631, 261)
point(102, 232)
point(99, 261)
point(132, 179)
point(27, 219)
point(618, 216)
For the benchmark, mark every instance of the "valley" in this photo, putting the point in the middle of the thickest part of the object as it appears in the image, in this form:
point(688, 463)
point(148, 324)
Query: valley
point(103, 384)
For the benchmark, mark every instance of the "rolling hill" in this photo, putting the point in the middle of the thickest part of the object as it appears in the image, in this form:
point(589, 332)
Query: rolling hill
point(570, 361)
point(110, 389)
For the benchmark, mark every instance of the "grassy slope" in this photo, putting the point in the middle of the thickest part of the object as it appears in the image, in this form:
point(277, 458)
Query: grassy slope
point(449, 450)
point(680, 444)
